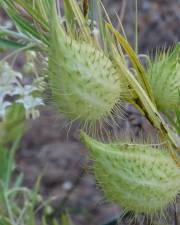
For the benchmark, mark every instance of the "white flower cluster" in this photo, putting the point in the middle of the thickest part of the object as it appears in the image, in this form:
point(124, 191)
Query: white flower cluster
point(11, 85)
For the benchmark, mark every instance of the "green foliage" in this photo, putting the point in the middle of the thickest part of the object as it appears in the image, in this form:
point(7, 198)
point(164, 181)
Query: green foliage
point(18, 205)
point(8, 44)
point(11, 40)
point(144, 100)
point(66, 220)
point(23, 23)
point(87, 76)
point(141, 178)
point(12, 127)
point(14, 211)
point(7, 164)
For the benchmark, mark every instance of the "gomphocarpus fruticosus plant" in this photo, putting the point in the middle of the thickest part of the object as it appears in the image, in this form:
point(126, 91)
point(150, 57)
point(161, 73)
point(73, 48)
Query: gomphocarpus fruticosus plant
point(88, 78)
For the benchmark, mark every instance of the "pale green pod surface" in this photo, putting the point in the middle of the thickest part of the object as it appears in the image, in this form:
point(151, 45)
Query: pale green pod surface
point(84, 83)
point(140, 178)
point(164, 77)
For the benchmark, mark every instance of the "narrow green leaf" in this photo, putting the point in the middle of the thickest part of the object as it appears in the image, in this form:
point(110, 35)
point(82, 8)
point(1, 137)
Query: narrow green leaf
point(66, 220)
point(22, 24)
point(10, 163)
point(8, 44)
point(80, 19)
point(36, 14)
point(13, 125)
point(141, 74)
point(69, 15)
point(4, 156)
point(101, 24)
point(145, 102)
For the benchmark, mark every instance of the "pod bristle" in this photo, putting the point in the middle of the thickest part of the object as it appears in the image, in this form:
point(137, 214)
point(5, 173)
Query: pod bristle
point(164, 77)
point(84, 83)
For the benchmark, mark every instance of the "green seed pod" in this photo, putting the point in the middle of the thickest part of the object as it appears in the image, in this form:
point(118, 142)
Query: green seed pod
point(164, 77)
point(84, 82)
point(140, 178)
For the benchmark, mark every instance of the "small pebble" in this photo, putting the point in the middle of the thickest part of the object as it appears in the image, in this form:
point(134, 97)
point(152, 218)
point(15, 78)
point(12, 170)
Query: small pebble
point(67, 185)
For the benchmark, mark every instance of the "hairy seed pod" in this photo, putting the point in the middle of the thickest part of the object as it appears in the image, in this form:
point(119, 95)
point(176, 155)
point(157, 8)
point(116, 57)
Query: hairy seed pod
point(138, 177)
point(84, 82)
point(164, 77)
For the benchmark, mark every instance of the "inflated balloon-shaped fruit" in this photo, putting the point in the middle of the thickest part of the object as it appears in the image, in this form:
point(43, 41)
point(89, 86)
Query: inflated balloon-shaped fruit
point(140, 178)
point(164, 77)
point(84, 82)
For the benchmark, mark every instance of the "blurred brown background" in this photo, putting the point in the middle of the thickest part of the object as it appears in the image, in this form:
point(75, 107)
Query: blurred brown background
point(159, 20)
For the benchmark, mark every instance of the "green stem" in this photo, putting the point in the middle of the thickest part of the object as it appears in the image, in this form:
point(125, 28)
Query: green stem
point(9, 209)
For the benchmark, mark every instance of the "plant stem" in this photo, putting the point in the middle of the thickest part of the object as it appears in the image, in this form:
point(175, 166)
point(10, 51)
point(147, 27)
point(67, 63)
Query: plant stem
point(136, 26)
